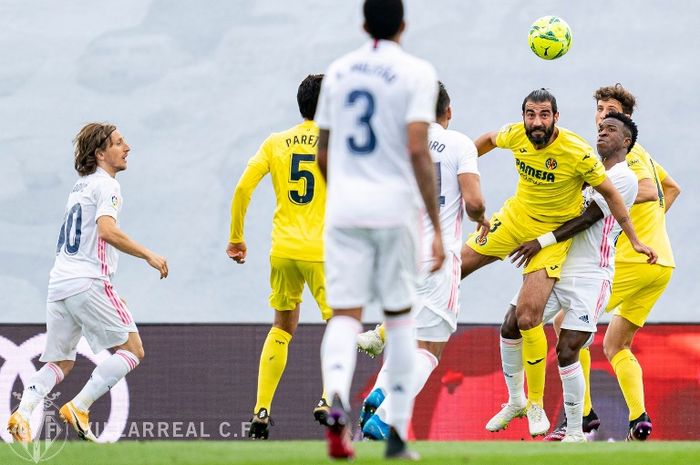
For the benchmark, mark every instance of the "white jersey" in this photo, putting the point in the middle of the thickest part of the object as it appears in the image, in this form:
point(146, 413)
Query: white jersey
point(592, 252)
point(453, 154)
point(367, 98)
point(81, 255)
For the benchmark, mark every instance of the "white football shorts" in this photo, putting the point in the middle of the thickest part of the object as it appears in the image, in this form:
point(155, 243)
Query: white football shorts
point(98, 314)
point(366, 264)
point(583, 300)
point(438, 305)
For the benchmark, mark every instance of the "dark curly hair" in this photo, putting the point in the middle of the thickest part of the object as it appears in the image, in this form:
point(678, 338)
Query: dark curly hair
point(630, 126)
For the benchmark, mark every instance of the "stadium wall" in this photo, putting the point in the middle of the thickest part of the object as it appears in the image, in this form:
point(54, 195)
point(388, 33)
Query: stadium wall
point(199, 382)
point(196, 87)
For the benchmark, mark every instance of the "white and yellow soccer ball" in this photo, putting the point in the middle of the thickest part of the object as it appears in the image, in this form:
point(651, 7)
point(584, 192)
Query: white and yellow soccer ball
point(550, 37)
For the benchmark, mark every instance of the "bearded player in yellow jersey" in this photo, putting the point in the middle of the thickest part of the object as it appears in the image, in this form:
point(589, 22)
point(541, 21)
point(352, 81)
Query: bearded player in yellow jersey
point(636, 286)
point(296, 255)
point(553, 163)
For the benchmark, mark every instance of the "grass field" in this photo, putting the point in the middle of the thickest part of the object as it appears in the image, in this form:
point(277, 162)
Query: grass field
point(313, 452)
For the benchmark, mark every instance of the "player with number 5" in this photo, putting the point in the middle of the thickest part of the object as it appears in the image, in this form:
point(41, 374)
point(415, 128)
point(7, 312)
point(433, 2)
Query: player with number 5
point(81, 299)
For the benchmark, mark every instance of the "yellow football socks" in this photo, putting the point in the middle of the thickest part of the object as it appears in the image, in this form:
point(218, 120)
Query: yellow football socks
point(535, 362)
point(629, 377)
point(273, 360)
point(584, 357)
point(382, 333)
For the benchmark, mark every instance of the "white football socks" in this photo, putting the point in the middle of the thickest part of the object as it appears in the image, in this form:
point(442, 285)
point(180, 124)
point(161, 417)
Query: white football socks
point(104, 377)
point(38, 387)
point(574, 385)
point(513, 370)
point(338, 357)
point(400, 362)
point(425, 364)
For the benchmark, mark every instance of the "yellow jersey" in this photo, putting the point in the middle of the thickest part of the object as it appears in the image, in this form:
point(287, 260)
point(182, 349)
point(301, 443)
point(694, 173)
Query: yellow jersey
point(297, 226)
point(549, 188)
point(649, 218)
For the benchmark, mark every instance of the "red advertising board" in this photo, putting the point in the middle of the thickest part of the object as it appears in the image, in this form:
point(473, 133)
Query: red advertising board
point(199, 381)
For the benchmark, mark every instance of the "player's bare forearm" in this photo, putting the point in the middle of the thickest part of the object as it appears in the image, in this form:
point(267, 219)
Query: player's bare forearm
point(425, 178)
point(322, 154)
point(486, 142)
point(575, 225)
point(647, 191)
point(671, 191)
point(470, 188)
point(109, 232)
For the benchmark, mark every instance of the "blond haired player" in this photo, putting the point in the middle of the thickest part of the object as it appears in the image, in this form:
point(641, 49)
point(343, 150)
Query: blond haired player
point(81, 299)
point(296, 255)
point(636, 286)
point(553, 163)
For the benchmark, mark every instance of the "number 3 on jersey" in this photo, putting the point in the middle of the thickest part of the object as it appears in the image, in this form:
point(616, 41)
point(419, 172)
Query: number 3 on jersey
point(68, 235)
point(365, 144)
point(297, 173)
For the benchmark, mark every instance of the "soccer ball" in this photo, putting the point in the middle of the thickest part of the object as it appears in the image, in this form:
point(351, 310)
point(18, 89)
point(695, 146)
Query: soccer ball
point(550, 37)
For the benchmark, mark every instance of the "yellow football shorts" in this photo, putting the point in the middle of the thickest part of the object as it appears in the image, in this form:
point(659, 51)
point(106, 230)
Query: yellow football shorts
point(509, 228)
point(287, 279)
point(636, 288)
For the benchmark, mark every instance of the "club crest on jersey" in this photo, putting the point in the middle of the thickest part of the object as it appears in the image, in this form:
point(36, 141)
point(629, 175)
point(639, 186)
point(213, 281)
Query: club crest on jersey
point(481, 240)
point(550, 164)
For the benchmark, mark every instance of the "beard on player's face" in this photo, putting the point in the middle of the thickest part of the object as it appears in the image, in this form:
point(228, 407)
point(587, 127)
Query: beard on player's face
point(544, 133)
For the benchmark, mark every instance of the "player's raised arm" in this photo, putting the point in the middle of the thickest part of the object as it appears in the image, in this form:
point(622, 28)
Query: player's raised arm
point(617, 208)
point(486, 142)
point(424, 172)
point(109, 232)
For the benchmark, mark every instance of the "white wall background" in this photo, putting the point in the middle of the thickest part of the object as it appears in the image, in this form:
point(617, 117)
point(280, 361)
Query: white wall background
point(196, 86)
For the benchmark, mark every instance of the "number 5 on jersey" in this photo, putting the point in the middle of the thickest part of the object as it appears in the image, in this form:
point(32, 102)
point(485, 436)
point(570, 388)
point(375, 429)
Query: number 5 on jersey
point(304, 194)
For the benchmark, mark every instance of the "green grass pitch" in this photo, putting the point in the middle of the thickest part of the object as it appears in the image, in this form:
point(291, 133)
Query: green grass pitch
point(314, 452)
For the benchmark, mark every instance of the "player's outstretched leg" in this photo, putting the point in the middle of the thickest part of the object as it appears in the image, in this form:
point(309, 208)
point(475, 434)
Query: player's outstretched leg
point(108, 373)
point(34, 392)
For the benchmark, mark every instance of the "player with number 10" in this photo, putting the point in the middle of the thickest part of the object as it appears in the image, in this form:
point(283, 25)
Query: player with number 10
point(81, 299)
